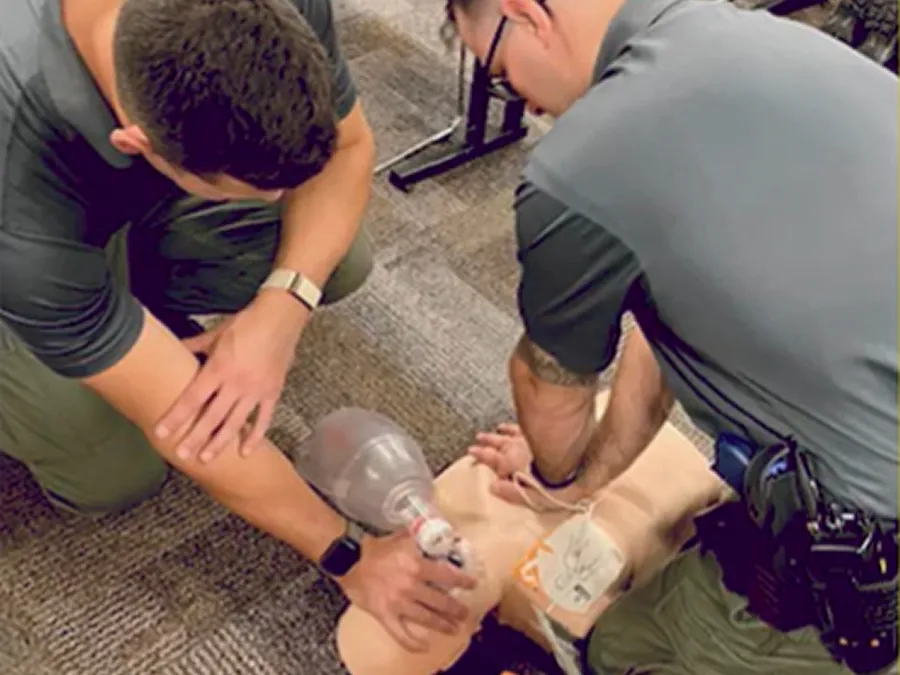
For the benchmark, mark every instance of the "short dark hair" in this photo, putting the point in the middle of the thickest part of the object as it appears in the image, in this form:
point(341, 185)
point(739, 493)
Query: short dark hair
point(235, 87)
point(451, 9)
point(464, 6)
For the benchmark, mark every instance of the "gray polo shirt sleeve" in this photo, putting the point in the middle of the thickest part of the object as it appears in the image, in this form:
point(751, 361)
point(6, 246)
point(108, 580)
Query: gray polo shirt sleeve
point(320, 16)
point(575, 278)
point(58, 297)
point(56, 292)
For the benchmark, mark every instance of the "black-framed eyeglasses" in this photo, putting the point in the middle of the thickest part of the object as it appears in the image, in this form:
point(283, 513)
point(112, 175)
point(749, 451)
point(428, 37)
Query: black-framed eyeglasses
point(499, 85)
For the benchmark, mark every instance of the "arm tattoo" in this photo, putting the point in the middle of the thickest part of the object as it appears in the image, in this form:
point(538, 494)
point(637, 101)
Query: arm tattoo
point(547, 369)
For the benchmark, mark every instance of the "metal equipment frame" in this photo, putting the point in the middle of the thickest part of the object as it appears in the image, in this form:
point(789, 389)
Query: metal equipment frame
point(475, 142)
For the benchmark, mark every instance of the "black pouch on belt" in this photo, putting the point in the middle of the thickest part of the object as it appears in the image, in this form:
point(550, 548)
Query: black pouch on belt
point(752, 567)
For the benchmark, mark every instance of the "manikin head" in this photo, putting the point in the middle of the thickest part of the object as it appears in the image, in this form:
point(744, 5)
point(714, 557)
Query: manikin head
point(230, 99)
point(542, 50)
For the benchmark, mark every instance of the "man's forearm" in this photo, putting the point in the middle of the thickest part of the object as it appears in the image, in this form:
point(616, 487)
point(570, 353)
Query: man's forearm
point(555, 409)
point(263, 488)
point(639, 404)
point(266, 491)
point(557, 413)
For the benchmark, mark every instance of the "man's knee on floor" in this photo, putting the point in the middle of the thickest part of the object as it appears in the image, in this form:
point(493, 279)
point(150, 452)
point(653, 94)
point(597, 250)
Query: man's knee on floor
point(352, 272)
point(112, 488)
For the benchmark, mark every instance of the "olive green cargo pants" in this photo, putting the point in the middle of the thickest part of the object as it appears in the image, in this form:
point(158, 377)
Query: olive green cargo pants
point(685, 622)
point(188, 257)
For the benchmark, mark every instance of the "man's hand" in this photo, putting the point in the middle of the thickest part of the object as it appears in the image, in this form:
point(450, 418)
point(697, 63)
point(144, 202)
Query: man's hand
point(505, 452)
point(248, 356)
point(397, 585)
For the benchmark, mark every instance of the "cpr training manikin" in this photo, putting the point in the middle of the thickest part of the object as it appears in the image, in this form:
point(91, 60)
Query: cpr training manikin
point(539, 566)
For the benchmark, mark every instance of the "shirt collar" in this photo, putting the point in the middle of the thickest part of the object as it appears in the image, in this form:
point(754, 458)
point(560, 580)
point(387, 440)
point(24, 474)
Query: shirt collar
point(73, 89)
point(633, 17)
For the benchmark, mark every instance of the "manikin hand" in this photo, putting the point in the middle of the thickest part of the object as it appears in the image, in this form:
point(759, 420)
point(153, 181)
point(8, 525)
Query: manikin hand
point(398, 586)
point(506, 452)
point(248, 356)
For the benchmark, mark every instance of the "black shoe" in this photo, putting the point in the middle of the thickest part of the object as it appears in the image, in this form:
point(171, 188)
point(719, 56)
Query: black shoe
point(880, 20)
point(878, 47)
point(842, 24)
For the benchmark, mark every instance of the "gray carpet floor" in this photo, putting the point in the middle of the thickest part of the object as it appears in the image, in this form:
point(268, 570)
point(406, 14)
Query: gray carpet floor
point(180, 587)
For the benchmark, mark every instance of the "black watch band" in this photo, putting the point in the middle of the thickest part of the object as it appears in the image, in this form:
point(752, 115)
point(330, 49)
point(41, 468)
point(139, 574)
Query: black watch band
point(559, 485)
point(344, 552)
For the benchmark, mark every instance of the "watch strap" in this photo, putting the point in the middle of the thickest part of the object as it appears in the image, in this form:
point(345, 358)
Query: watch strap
point(296, 284)
point(354, 531)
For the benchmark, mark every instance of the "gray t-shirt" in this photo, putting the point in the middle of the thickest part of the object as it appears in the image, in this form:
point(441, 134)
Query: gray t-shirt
point(64, 190)
point(732, 177)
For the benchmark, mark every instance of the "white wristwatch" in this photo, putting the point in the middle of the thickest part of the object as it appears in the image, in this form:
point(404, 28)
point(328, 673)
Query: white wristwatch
point(296, 284)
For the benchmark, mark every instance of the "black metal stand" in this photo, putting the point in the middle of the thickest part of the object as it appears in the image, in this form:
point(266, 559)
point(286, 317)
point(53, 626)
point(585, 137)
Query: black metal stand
point(475, 143)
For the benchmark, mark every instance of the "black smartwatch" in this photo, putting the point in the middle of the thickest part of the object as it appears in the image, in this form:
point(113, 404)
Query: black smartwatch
point(344, 552)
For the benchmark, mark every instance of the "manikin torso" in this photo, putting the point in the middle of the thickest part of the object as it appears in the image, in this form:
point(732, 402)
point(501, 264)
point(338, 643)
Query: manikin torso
point(647, 513)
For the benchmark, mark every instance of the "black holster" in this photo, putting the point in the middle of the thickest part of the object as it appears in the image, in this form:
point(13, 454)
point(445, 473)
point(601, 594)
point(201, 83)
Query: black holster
point(776, 594)
point(801, 560)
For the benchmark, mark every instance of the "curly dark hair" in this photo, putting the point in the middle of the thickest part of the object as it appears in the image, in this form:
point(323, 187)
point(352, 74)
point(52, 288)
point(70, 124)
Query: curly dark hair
point(235, 87)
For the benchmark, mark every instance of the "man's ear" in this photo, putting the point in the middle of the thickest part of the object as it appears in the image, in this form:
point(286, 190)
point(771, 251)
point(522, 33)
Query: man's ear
point(130, 140)
point(531, 13)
